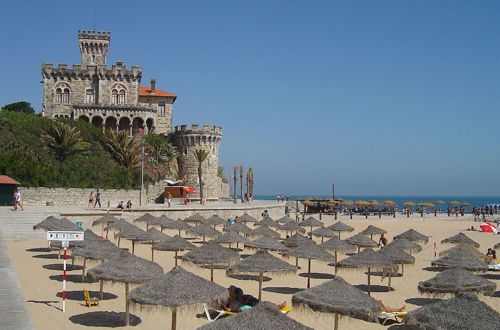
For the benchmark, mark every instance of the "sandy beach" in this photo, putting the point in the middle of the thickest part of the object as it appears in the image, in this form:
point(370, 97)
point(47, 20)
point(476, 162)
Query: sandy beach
point(40, 276)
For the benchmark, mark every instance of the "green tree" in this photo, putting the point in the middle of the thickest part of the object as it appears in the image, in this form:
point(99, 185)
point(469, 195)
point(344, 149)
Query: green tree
point(200, 156)
point(122, 148)
point(160, 156)
point(64, 141)
point(22, 106)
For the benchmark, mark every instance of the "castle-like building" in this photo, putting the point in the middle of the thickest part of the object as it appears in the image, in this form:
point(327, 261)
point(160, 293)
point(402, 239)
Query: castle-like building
point(112, 98)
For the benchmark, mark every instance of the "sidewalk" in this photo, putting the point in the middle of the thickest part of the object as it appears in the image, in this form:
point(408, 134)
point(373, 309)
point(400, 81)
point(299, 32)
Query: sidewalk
point(13, 312)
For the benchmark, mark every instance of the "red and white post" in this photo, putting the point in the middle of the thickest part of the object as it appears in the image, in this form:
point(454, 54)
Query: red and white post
point(64, 243)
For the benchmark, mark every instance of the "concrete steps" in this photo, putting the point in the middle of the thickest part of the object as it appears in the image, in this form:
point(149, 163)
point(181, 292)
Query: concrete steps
point(19, 224)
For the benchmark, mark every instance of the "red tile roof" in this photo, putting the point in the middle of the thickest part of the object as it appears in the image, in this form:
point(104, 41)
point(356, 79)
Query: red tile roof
point(146, 91)
point(4, 179)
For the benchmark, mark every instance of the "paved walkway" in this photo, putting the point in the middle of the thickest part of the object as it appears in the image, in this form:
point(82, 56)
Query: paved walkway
point(13, 312)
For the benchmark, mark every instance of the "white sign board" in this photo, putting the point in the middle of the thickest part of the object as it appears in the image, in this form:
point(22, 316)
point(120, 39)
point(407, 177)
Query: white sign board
point(65, 235)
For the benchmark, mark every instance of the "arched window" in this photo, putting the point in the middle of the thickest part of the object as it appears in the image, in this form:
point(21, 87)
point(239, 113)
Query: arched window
point(161, 109)
point(114, 96)
point(58, 95)
point(121, 97)
point(89, 97)
point(66, 96)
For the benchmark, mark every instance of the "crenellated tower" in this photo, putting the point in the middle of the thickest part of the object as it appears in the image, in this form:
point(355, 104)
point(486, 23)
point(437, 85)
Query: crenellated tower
point(94, 46)
point(187, 140)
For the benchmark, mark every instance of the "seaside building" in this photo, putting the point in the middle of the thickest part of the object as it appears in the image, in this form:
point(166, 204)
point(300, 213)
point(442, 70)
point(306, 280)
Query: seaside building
point(113, 98)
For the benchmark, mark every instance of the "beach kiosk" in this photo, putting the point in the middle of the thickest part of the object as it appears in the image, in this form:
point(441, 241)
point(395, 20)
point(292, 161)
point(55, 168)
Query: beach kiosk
point(7, 188)
point(179, 192)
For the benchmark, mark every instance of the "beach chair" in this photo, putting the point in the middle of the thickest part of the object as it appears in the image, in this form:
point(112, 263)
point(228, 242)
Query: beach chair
point(89, 302)
point(398, 317)
point(220, 313)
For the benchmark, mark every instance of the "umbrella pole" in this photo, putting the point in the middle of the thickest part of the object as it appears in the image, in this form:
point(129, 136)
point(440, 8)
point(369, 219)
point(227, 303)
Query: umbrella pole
point(336, 326)
point(147, 226)
point(402, 269)
point(322, 239)
point(175, 257)
point(179, 232)
point(211, 272)
point(261, 276)
point(83, 271)
point(369, 288)
point(174, 319)
point(107, 231)
point(389, 285)
point(127, 311)
point(308, 273)
point(296, 262)
point(118, 241)
point(339, 234)
point(133, 246)
point(152, 253)
point(101, 289)
point(335, 262)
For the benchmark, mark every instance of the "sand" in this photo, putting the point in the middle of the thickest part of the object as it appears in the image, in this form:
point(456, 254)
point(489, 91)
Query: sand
point(40, 273)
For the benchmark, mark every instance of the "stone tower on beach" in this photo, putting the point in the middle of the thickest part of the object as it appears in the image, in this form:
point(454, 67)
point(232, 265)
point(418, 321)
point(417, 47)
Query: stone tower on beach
point(187, 140)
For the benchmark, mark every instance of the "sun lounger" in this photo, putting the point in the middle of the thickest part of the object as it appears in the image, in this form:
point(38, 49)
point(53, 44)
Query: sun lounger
point(220, 313)
point(399, 317)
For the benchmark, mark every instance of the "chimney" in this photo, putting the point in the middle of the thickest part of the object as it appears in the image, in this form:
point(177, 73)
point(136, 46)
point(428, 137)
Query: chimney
point(153, 86)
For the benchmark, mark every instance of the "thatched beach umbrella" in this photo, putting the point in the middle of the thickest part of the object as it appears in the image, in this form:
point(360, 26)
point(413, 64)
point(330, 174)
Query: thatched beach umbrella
point(360, 241)
point(211, 254)
point(231, 237)
point(126, 268)
point(368, 259)
point(263, 316)
point(372, 230)
point(459, 313)
point(340, 298)
point(398, 256)
point(261, 262)
point(465, 247)
point(340, 226)
point(310, 251)
point(120, 225)
point(291, 226)
point(460, 238)
point(311, 222)
point(196, 218)
point(151, 236)
point(413, 236)
point(285, 219)
point(244, 219)
point(456, 280)
point(202, 230)
point(296, 240)
point(214, 220)
point(175, 244)
point(176, 225)
point(132, 234)
point(88, 238)
point(267, 221)
point(264, 231)
point(104, 222)
point(238, 228)
point(162, 221)
point(323, 232)
point(146, 218)
point(461, 259)
point(454, 203)
point(336, 245)
point(405, 245)
point(53, 224)
point(266, 243)
point(97, 250)
point(409, 203)
point(175, 289)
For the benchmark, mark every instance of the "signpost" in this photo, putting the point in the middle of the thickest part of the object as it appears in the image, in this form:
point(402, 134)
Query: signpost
point(65, 237)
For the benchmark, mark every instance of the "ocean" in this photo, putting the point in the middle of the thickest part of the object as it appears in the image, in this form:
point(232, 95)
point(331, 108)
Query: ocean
point(474, 201)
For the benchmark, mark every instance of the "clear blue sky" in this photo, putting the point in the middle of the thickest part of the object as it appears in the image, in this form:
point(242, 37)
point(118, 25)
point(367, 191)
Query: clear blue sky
point(378, 97)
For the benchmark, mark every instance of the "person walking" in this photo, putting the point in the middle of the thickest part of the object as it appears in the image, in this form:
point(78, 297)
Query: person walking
point(169, 198)
point(17, 200)
point(91, 199)
point(97, 199)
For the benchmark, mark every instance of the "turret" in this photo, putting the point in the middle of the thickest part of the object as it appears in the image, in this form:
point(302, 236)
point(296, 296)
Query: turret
point(94, 46)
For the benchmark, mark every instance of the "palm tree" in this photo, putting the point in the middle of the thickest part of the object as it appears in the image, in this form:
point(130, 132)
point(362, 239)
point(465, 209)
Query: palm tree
point(122, 148)
point(200, 156)
point(64, 140)
point(160, 155)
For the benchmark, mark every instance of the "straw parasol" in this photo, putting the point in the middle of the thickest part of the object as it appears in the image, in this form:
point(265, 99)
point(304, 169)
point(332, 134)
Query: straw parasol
point(146, 218)
point(323, 232)
point(340, 226)
point(405, 245)
point(310, 251)
point(177, 225)
point(104, 222)
point(408, 204)
point(346, 202)
point(151, 236)
point(53, 224)
point(454, 203)
point(132, 234)
point(263, 316)
point(360, 241)
point(465, 204)
point(439, 202)
point(195, 218)
point(264, 231)
point(266, 243)
point(88, 237)
point(338, 297)
point(336, 245)
point(372, 230)
point(211, 254)
point(97, 250)
point(291, 226)
point(231, 237)
point(175, 289)
point(461, 259)
point(311, 222)
point(127, 268)
point(202, 230)
point(261, 262)
point(460, 313)
point(267, 221)
point(398, 257)
point(296, 240)
point(362, 203)
point(244, 219)
point(285, 219)
point(460, 238)
point(413, 236)
point(456, 280)
point(389, 203)
point(119, 225)
point(163, 221)
point(467, 248)
point(238, 228)
point(214, 220)
point(175, 243)
point(368, 259)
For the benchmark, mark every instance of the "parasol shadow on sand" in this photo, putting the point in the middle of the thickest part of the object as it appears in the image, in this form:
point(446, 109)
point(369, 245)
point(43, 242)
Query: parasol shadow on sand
point(455, 281)
point(340, 298)
point(174, 290)
point(261, 262)
point(126, 268)
point(340, 226)
point(175, 244)
point(104, 319)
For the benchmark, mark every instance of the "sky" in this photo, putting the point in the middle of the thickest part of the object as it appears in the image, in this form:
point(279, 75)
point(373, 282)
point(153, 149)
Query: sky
point(378, 97)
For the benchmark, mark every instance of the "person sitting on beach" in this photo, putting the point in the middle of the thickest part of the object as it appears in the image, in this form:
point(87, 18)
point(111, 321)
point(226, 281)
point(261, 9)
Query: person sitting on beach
point(384, 308)
point(491, 257)
point(129, 204)
point(382, 241)
point(120, 205)
point(239, 302)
